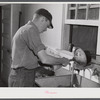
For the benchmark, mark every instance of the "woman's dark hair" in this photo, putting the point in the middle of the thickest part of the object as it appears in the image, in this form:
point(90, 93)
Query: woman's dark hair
point(88, 56)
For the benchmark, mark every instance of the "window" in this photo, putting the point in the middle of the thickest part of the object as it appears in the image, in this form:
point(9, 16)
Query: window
point(83, 11)
point(82, 23)
point(84, 37)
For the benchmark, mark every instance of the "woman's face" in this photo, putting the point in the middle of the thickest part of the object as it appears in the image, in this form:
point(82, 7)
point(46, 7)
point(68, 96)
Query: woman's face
point(80, 56)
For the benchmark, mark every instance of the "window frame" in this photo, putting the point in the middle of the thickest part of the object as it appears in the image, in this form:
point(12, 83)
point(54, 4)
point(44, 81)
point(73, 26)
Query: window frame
point(83, 22)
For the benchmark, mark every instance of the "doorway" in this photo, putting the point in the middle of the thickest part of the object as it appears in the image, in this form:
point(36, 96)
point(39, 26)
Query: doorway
point(0, 36)
point(5, 42)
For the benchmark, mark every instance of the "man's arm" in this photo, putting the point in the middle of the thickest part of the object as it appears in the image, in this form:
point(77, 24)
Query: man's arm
point(47, 59)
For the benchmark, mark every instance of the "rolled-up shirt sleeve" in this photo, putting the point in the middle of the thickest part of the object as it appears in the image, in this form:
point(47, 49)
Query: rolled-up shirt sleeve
point(33, 41)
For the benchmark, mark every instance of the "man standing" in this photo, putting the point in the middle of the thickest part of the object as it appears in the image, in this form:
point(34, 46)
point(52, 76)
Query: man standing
point(27, 50)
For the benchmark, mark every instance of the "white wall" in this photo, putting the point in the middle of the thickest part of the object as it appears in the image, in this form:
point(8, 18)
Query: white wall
point(15, 8)
point(52, 37)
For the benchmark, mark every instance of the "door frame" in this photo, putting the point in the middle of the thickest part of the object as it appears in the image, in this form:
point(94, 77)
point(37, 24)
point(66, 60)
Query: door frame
point(0, 36)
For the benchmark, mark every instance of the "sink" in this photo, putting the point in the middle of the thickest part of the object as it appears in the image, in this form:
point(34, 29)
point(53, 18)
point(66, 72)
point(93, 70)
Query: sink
point(65, 81)
point(54, 81)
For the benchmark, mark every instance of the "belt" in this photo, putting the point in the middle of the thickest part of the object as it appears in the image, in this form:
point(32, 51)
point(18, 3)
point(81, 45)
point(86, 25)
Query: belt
point(18, 68)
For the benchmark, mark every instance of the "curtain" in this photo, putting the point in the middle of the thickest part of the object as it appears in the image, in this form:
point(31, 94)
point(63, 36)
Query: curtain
point(84, 37)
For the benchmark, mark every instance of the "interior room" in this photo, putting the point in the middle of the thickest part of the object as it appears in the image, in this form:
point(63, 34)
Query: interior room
point(75, 25)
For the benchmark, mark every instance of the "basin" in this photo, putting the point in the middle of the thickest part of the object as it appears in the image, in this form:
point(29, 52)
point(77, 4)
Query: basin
point(54, 81)
point(65, 81)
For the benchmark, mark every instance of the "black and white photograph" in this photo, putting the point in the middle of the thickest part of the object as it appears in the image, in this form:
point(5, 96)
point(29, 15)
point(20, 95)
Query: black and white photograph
point(50, 45)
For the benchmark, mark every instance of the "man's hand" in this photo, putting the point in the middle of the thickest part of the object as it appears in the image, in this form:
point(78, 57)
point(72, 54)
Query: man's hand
point(65, 61)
